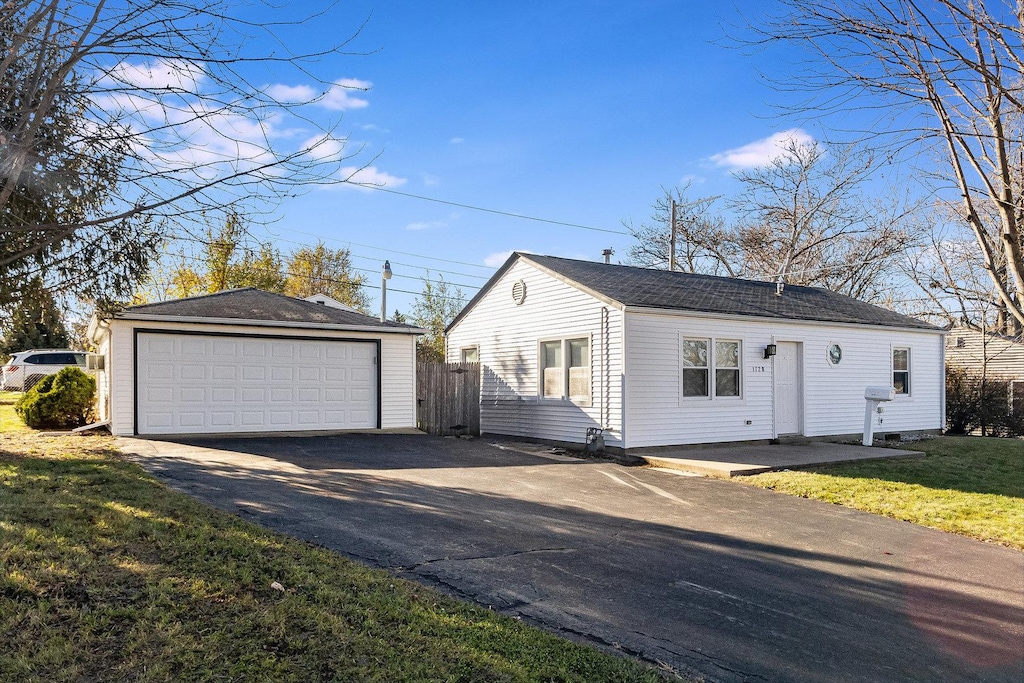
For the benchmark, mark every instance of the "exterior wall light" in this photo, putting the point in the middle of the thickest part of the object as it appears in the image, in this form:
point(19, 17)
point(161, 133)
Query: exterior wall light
point(770, 350)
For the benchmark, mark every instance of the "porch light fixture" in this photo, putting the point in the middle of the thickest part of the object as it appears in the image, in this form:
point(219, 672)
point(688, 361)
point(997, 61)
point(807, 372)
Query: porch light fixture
point(385, 275)
point(770, 350)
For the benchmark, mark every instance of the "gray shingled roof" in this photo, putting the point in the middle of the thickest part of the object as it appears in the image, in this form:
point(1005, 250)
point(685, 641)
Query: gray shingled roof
point(643, 287)
point(250, 304)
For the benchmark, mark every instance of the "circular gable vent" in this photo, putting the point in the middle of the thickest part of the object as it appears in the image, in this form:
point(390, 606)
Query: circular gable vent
point(519, 292)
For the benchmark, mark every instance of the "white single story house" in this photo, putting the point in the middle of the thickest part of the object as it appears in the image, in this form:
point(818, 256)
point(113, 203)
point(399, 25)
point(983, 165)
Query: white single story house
point(249, 361)
point(998, 356)
point(657, 358)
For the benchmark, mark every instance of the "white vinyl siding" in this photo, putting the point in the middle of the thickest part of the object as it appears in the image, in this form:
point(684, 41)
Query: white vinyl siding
point(658, 414)
point(509, 337)
point(1000, 357)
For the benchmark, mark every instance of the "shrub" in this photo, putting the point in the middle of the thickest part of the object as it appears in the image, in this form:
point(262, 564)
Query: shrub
point(60, 400)
point(975, 404)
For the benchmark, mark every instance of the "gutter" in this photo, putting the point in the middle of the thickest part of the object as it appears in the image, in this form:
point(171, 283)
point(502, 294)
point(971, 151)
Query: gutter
point(769, 319)
point(243, 322)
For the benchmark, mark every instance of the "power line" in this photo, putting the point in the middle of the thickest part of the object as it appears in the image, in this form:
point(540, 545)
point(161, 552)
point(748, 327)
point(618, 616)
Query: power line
point(354, 285)
point(495, 211)
point(390, 250)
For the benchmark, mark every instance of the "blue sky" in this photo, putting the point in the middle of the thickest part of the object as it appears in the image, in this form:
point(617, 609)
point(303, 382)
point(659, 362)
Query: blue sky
point(571, 111)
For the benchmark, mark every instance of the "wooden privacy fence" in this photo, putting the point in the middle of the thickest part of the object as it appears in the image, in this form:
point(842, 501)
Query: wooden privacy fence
point(448, 398)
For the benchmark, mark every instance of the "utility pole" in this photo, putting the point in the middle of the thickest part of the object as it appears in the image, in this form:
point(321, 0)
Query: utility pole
point(672, 239)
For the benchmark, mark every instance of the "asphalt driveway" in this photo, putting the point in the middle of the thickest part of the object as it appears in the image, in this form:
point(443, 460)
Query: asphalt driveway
point(710, 577)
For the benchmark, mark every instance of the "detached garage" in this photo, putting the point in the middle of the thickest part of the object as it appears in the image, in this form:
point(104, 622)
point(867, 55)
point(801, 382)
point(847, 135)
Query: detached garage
point(249, 361)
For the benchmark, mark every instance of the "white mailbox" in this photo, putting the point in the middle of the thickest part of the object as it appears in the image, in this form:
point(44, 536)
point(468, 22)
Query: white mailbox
point(879, 393)
point(872, 397)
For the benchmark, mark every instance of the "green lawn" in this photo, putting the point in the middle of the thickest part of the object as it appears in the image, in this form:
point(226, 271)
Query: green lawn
point(9, 420)
point(966, 485)
point(105, 574)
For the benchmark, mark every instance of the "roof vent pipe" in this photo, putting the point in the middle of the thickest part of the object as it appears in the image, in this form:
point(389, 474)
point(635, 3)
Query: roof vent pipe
point(607, 253)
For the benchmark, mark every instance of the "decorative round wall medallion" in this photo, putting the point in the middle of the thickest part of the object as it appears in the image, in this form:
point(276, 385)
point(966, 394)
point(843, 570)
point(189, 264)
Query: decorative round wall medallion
point(519, 292)
point(835, 354)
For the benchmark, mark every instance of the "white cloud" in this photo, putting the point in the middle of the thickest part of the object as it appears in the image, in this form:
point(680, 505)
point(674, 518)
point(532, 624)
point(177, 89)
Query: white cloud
point(431, 180)
point(159, 74)
point(324, 148)
point(427, 225)
point(499, 257)
point(430, 225)
point(338, 97)
point(761, 152)
point(291, 93)
point(457, 141)
point(354, 176)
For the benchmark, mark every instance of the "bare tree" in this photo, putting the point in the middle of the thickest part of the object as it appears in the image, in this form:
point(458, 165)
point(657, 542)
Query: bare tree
point(124, 121)
point(704, 243)
point(950, 73)
point(801, 219)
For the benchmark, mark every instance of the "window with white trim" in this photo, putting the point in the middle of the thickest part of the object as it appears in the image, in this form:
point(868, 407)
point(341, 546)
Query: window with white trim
point(565, 369)
point(470, 354)
point(708, 374)
point(901, 371)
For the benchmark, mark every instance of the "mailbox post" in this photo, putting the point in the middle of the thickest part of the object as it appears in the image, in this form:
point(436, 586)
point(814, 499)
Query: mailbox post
point(873, 396)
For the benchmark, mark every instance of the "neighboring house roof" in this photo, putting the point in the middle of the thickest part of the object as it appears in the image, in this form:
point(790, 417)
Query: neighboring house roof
point(629, 286)
point(329, 301)
point(250, 305)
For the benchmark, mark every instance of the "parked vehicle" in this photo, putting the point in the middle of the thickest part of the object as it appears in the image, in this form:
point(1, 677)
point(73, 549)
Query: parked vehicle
point(25, 368)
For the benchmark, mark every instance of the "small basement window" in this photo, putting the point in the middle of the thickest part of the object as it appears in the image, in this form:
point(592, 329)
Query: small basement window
point(570, 378)
point(901, 371)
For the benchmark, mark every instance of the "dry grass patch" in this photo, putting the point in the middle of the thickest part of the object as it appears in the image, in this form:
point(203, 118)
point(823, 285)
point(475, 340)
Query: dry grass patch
point(971, 486)
point(105, 574)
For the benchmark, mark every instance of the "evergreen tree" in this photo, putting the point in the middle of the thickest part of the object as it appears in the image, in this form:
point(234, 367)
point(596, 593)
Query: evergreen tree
point(35, 323)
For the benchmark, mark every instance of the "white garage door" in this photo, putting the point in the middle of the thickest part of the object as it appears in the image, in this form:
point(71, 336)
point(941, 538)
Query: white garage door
point(198, 384)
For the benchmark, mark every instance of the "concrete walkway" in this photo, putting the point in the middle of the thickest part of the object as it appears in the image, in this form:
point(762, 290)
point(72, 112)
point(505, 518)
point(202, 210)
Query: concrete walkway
point(733, 461)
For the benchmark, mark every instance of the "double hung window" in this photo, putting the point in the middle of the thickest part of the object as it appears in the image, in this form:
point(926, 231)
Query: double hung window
point(565, 369)
point(711, 368)
point(901, 371)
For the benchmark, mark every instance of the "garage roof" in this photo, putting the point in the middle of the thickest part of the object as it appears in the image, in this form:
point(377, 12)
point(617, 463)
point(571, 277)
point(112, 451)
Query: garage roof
point(251, 306)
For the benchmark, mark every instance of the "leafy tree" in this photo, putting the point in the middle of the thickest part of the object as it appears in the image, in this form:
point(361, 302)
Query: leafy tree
point(230, 259)
point(950, 74)
point(35, 322)
point(435, 308)
point(320, 270)
point(801, 219)
point(121, 122)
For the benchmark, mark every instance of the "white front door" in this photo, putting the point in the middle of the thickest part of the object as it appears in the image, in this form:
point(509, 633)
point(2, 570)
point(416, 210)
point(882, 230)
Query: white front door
point(788, 389)
point(209, 384)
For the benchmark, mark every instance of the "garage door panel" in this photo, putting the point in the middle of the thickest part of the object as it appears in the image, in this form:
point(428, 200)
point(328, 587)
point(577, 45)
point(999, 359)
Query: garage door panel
point(222, 419)
point(254, 349)
point(282, 395)
point(224, 347)
point(208, 384)
point(192, 394)
point(224, 372)
point(279, 373)
point(194, 347)
point(223, 395)
point(157, 395)
point(190, 372)
point(160, 372)
point(256, 373)
point(192, 419)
